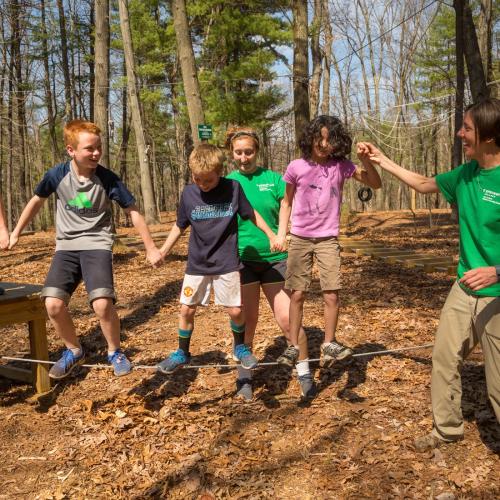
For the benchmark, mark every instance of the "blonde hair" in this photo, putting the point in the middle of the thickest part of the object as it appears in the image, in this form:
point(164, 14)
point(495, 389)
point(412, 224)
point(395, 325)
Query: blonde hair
point(73, 128)
point(238, 132)
point(206, 158)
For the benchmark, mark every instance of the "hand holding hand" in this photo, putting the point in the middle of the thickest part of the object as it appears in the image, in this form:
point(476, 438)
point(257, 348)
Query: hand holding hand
point(13, 240)
point(366, 150)
point(154, 257)
point(280, 244)
point(478, 278)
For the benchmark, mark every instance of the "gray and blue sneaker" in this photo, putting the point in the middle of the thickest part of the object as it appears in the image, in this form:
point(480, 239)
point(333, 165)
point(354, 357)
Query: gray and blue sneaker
point(243, 354)
point(307, 386)
point(62, 368)
point(174, 361)
point(244, 389)
point(121, 365)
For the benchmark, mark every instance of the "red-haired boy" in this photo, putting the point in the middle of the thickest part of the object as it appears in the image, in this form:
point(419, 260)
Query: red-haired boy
point(84, 242)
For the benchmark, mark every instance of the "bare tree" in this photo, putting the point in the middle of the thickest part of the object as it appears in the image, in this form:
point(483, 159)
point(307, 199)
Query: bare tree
point(317, 57)
point(300, 68)
point(68, 109)
point(101, 97)
point(460, 84)
point(188, 68)
point(475, 68)
point(137, 123)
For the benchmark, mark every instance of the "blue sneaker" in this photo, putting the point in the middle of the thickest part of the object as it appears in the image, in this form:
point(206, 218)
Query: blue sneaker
point(65, 364)
point(174, 361)
point(244, 355)
point(121, 365)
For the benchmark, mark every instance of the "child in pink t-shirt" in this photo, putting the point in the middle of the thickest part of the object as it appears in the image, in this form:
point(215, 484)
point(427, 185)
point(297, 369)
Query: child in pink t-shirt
point(314, 184)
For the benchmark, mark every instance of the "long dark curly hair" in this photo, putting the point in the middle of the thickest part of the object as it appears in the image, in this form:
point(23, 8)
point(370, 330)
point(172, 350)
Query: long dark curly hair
point(338, 137)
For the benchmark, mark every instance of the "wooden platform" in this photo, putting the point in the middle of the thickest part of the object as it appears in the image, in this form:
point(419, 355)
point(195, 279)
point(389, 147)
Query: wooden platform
point(21, 304)
point(408, 258)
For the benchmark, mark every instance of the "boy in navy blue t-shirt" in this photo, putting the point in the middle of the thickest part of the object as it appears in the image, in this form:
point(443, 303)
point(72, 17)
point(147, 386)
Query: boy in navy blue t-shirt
point(84, 242)
point(211, 206)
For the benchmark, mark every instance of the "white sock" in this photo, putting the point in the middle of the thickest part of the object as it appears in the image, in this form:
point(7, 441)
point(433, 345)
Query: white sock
point(76, 351)
point(110, 353)
point(243, 373)
point(302, 367)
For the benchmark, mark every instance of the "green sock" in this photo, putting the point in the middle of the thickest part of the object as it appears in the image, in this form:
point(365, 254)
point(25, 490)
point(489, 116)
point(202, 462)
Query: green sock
point(238, 333)
point(184, 339)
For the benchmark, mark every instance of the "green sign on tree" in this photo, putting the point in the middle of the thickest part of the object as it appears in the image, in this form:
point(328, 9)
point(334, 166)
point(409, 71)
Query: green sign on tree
point(205, 131)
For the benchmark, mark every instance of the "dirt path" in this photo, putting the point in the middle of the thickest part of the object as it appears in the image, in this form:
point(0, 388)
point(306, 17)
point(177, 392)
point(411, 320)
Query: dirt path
point(147, 436)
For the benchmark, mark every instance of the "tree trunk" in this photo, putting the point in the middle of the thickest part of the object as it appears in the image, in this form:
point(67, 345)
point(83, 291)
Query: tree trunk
point(15, 54)
point(101, 96)
point(475, 69)
point(68, 110)
point(486, 39)
point(145, 171)
point(188, 68)
point(51, 117)
point(317, 58)
point(460, 84)
point(327, 26)
point(300, 69)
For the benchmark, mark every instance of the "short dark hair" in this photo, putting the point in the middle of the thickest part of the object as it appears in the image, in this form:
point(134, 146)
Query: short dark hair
point(338, 137)
point(486, 117)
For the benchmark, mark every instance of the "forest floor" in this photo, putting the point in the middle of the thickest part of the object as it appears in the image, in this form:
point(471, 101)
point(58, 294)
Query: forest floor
point(187, 436)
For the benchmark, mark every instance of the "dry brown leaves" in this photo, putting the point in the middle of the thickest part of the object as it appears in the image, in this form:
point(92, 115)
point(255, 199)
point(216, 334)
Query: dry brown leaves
point(149, 436)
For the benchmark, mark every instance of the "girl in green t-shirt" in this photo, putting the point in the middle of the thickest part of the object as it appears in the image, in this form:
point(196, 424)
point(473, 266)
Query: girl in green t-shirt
point(262, 268)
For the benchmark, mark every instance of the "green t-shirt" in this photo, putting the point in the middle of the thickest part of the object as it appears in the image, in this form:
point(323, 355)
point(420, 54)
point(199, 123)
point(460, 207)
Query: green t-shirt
point(264, 190)
point(476, 192)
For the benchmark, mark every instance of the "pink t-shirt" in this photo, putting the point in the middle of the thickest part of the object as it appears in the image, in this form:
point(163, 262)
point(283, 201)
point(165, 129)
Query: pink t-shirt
point(318, 195)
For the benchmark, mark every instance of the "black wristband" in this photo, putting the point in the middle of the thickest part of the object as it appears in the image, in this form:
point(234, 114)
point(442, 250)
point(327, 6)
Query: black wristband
point(498, 273)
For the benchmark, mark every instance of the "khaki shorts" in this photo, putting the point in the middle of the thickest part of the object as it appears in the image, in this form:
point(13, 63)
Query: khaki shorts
point(301, 253)
point(196, 289)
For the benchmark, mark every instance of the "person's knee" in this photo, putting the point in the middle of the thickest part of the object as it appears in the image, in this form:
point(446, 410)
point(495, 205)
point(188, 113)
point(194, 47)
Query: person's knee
point(103, 307)
point(298, 296)
point(187, 312)
point(54, 306)
point(236, 314)
point(331, 298)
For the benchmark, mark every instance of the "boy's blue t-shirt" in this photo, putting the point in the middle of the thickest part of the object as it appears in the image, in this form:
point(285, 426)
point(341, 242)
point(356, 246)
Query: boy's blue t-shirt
point(83, 217)
point(212, 215)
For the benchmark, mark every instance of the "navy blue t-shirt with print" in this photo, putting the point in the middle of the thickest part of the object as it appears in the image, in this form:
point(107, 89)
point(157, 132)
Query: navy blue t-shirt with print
point(83, 217)
point(213, 243)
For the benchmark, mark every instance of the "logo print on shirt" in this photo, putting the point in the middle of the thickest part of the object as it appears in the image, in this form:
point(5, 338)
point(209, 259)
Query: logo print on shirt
point(215, 211)
point(80, 204)
point(188, 291)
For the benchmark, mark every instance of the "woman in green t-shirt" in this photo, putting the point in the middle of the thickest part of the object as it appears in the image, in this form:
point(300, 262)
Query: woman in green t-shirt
point(262, 268)
point(471, 313)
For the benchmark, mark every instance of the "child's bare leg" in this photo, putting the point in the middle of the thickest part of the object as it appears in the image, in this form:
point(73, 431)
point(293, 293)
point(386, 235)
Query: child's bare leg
point(186, 326)
point(250, 295)
point(109, 321)
point(279, 300)
point(297, 299)
point(60, 318)
point(331, 313)
point(186, 317)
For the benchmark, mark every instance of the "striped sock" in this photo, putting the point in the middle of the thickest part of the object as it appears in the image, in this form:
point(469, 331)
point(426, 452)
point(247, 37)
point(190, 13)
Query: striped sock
point(238, 333)
point(184, 339)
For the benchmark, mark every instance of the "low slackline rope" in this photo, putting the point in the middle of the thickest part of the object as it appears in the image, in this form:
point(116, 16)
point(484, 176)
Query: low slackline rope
point(227, 366)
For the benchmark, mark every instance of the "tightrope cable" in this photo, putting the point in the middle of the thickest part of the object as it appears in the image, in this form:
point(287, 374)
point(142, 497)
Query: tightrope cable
point(220, 365)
